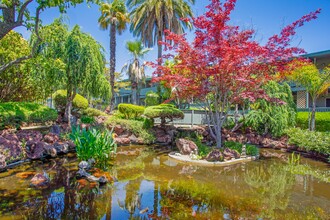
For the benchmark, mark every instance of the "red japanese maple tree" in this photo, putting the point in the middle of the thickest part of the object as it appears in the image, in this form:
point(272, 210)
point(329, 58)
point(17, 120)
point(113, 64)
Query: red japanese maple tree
point(224, 65)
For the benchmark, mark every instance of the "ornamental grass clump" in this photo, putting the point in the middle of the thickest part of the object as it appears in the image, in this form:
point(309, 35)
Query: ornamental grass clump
point(95, 144)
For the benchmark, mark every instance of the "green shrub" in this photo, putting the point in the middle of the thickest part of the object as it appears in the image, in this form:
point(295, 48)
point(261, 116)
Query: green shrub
point(310, 140)
point(79, 102)
point(250, 149)
point(322, 121)
point(134, 126)
point(271, 117)
point(93, 112)
point(14, 114)
point(87, 119)
point(94, 144)
point(148, 123)
point(130, 111)
point(163, 111)
point(152, 98)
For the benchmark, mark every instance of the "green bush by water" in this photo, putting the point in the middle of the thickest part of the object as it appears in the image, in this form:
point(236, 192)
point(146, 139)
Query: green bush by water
point(93, 112)
point(14, 114)
point(322, 121)
point(134, 126)
point(79, 102)
point(95, 144)
point(310, 140)
point(250, 149)
point(163, 111)
point(130, 111)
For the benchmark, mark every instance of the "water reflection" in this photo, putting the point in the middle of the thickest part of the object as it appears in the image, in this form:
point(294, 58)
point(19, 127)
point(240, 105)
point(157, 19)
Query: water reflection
point(152, 186)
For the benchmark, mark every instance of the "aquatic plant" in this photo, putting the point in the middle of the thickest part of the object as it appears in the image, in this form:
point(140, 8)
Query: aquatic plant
point(295, 167)
point(93, 143)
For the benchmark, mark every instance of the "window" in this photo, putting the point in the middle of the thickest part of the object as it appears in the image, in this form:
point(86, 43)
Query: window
point(327, 104)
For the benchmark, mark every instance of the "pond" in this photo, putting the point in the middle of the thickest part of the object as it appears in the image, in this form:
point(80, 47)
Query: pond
point(150, 185)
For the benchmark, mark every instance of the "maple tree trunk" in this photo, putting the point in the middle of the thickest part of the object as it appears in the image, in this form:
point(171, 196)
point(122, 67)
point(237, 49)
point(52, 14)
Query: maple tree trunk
point(112, 64)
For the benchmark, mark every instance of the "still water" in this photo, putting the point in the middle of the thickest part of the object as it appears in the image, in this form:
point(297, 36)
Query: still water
point(150, 185)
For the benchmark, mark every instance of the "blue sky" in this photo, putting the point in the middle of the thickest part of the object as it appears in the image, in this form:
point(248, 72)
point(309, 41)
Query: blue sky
point(267, 17)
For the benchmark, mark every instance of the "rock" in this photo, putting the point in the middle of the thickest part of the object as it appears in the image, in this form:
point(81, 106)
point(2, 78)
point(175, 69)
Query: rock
point(29, 135)
point(50, 150)
point(164, 139)
point(3, 162)
point(51, 138)
point(35, 150)
point(55, 129)
point(25, 175)
point(215, 155)
point(10, 146)
point(103, 180)
point(229, 154)
point(118, 130)
point(39, 180)
point(186, 147)
point(61, 147)
point(133, 138)
point(267, 154)
point(122, 141)
point(84, 165)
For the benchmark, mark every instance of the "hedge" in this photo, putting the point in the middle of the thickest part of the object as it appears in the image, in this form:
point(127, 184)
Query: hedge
point(13, 114)
point(130, 111)
point(322, 121)
point(79, 102)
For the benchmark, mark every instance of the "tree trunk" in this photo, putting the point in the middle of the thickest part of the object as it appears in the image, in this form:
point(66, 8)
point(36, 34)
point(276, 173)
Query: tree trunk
point(112, 64)
point(160, 54)
point(134, 93)
point(312, 123)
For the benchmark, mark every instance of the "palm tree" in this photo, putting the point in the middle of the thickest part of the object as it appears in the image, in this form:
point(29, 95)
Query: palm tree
point(114, 17)
point(134, 69)
point(150, 18)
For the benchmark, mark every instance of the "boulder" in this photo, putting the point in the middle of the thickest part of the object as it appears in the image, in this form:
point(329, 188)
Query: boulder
point(215, 155)
point(51, 138)
point(29, 135)
point(122, 140)
point(40, 180)
point(118, 130)
point(186, 147)
point(61, 147)
point(164, 139)
point(55, 129)
point(35, 150)
point(3, 162)
point(133, 138)
point(84, 165)
point(230, 154)
point(50, 150)
point(10, 146)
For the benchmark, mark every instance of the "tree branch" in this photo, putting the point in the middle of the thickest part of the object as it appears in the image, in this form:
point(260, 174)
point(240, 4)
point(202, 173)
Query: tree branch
point(22, 10)
point(34, 48)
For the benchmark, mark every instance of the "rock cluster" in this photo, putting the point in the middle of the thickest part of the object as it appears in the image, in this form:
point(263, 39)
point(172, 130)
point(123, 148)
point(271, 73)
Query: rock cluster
point(226, 154)
point(30, 144)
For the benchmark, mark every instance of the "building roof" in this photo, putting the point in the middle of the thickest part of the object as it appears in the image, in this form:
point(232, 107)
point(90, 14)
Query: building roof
point(320, 54)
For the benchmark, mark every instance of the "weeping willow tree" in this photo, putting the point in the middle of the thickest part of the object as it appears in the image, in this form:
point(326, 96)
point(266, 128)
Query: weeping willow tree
point(273, 116)
point(74, 61)
point(135, 68)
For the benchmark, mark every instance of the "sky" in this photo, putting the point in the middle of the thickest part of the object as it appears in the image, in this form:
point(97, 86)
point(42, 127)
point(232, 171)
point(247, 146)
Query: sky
point(267, 17)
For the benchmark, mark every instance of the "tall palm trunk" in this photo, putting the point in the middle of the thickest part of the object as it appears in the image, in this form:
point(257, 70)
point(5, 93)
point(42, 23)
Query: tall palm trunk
point(112, 64)
point(160, 54)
